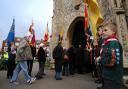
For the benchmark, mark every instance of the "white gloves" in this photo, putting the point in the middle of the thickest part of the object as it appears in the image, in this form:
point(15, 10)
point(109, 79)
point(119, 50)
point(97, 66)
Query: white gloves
point(97, 59)
point(89, 49)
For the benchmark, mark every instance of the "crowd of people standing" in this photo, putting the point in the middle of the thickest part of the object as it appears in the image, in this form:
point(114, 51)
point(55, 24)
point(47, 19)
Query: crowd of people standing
point(22, 58)
point(102, 57)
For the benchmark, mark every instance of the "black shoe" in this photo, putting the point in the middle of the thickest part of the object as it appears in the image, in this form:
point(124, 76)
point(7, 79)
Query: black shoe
point(43, 74)
point(58, 78)
point(100, 87)
point(98, 81)
point(38, 77)
point(67, 74)
point(71, 73)
point(63, 74)
point(8, 77)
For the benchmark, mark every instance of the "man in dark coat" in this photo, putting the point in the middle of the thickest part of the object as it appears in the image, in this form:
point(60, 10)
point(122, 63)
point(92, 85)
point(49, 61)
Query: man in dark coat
point(11, 61)
point(71, 52)
point(58, 56)
point(80, 59)
point(41, 59)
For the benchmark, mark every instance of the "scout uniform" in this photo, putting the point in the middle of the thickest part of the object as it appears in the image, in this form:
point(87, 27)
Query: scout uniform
point(112, 62)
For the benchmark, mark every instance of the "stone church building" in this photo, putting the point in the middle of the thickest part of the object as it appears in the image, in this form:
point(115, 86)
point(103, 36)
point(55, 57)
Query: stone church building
point(68, 16)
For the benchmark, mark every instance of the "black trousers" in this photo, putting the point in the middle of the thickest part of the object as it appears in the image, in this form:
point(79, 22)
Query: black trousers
point(71, 67)
point(10, 68)
point(30, 65)
point(41, 69)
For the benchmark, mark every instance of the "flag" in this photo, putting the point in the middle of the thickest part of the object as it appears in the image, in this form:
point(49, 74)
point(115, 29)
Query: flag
point(31, 34)
point(11, 34)
point(61, 35)
point(94, 14)
point(86, 22)
point(46, 34)
point(89, 31)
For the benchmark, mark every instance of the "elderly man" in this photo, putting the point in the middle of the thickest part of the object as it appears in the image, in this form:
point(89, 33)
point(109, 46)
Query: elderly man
point(23, 54)
point(41, 59)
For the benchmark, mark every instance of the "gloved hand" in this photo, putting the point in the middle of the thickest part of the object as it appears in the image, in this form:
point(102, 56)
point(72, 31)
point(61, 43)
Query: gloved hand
point(90, 49)
point(98, 59)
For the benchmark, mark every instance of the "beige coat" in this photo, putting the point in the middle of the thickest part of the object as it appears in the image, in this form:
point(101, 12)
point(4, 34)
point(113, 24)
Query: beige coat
point(23, 51)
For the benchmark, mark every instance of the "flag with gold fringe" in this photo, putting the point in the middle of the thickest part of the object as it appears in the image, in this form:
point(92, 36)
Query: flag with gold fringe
point(94, 15)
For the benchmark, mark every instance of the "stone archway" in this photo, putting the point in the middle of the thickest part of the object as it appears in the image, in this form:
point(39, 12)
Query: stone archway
point(75, 33)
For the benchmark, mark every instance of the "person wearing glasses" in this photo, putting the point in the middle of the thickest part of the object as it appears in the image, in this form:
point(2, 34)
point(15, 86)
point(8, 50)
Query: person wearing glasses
point(111, 58)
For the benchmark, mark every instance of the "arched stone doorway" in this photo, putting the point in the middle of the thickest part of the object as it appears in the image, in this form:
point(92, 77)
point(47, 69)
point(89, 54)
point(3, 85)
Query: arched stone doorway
point(75, 32)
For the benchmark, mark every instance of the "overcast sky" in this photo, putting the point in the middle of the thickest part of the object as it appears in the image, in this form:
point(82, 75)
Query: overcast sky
point(23, 11)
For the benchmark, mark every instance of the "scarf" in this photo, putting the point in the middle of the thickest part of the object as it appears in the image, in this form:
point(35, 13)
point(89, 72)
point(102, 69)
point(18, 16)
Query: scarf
point(111, 38)
point(107, 40)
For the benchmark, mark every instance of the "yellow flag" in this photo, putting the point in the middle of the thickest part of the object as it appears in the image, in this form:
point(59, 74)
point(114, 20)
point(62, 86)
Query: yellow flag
point(62, 32)
point(94, 14)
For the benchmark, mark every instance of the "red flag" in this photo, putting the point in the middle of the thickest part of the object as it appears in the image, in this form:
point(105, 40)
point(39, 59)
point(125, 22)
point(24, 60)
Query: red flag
point(32, 34)
point(46, 35)
point(86, 22)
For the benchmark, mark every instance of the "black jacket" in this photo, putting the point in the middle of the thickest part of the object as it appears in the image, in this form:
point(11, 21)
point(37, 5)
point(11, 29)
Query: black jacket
point(41, 55)
point(58, 53)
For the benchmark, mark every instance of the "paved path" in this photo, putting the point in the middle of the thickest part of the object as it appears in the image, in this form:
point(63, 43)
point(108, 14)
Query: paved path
point(48, 82)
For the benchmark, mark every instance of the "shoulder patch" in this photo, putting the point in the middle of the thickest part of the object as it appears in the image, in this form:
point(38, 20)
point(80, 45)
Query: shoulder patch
point(117, 50)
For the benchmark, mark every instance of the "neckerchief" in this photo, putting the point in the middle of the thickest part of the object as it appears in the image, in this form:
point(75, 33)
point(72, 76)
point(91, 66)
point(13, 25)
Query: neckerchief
point(106, 41)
